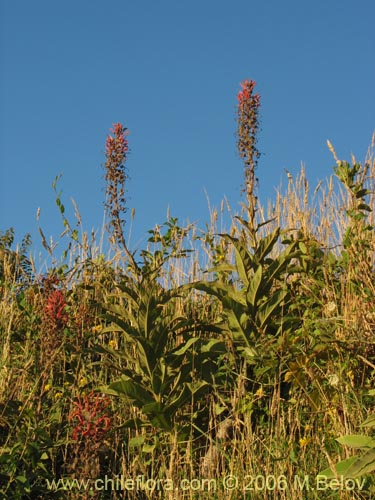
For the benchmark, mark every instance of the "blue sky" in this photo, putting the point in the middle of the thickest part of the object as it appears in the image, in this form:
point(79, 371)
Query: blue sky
point(170, 71)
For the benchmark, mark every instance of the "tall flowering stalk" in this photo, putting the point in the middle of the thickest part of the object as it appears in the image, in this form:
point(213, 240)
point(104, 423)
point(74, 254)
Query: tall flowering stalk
point(248, 127)
point(116, 150)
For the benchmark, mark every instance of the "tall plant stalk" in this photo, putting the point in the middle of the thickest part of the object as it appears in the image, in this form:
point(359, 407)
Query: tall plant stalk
point(116, 149)
point(248, 126)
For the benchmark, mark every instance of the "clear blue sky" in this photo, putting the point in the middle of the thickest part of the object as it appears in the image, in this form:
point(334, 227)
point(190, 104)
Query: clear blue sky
point(170, 70)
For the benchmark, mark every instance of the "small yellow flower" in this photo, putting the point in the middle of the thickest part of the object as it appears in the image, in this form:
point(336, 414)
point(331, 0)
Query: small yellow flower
point(47, 387)
point(97, 329)
point(113, 344)
point(260, 392)
point(331, 412)
point(66, 384)
point(303, 442)
point(82, 381)
point(58, 395)
point(288, 376)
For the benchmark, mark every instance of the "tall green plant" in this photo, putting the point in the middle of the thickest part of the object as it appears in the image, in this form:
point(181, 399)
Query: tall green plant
point(166, 359)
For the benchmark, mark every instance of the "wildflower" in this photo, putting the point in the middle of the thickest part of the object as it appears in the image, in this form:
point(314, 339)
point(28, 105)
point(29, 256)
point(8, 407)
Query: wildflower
point(54, 310)
point(288, 376)
point(47, 387)
point(116, 149)
point(247, 92)
point(92, 416)
point(82, 381)
point(303, 442)
point(248, 125)
point(66, 384)
point(260, 392)
point(97, 329)
point(58, 395)
point(112, 343)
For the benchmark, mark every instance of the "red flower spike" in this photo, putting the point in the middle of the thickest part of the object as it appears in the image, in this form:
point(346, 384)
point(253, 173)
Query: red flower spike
point(54, 310)
point(93, 420)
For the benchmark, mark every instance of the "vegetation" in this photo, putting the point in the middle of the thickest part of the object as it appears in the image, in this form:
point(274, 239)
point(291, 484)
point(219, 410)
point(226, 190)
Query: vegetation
point(222, 366)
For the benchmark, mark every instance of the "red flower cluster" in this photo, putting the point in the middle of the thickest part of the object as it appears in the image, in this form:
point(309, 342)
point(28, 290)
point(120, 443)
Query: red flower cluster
point(116, 147)
point(248, 126)
point(247, 92)
point(93, 420)
point(54, 310)
point(116, 176)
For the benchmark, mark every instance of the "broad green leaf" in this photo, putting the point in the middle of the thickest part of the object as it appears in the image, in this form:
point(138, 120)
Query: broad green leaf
point(340, 468)
point(266, 244)
point(369, 422)
point(138, 394)
point(158, 376)
point(215, 346)
point(280, 263)
point(182, 350)
point(363, 465)
point(236, 326)
point(267, 308)
point(224, 267)
point(357, 441)
point(148, 448)
point(198, 387)
point(158, 415)
point(302, 246)
point(145, 356)
point(122, 325)
point(244, 260)
point(136, 441)
point(182, 398)
point(254, 285)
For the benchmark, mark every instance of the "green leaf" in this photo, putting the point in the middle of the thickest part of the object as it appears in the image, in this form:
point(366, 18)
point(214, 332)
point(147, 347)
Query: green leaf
point(148, 448)
point(363, 465)
point(136, 441)
point(340, 468)
point(356, 441)
point(138, 394)
point(182, 350)
point(302, 246)
point(266, 245)
point(369, 422)
point(267, 308)
point(244, 261)
point(158, 415)
point(254, 285)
